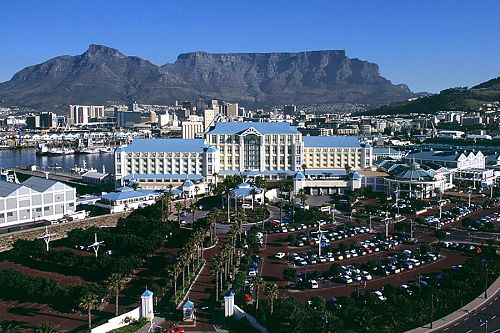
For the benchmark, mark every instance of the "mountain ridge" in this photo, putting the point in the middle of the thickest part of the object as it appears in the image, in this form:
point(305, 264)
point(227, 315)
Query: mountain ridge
point(104, 75)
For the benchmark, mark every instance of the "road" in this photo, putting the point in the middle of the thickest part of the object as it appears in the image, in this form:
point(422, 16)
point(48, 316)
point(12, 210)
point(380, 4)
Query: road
point(475, 321)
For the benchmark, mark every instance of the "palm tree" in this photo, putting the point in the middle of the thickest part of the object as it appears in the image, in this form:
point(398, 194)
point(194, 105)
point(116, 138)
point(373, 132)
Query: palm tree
point(87, 302)
point(281, 204)
point(216, 268)
point(166, 200)
point(259, 283)
point(240, 218)
point(174, 272)
point(194, 208)
point(9, 328)
point(271, 291)
point(134, 185)
point(302, 196)
point(114, 284)
point(215, 174)
point(178, 206)
point(260, 182)
point(253, 192)
point(45, 328)
point(196, 191)
point(292, 205)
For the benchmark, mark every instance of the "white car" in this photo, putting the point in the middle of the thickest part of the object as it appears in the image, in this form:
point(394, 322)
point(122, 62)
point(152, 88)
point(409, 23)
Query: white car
point(252, 272)
point(280, 255)
point(314, 284)
point(246, 206)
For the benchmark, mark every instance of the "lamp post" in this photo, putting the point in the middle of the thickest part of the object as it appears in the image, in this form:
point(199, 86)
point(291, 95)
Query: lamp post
point(470, 194)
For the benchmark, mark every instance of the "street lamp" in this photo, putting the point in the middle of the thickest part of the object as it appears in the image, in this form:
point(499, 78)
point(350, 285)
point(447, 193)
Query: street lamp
point(470, 194)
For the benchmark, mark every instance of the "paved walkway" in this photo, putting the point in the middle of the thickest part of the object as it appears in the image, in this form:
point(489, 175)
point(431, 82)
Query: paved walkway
point(203, 289)
point(468, 309)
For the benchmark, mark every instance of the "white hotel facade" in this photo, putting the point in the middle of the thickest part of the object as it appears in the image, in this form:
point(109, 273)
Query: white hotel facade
point(272, 150)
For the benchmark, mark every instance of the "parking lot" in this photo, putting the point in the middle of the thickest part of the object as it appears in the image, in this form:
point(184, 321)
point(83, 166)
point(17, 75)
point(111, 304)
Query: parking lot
point(367, 262)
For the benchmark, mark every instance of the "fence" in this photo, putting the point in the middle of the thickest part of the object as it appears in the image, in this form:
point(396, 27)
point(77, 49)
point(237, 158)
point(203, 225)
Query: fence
point(120, 321)
point(239, 314)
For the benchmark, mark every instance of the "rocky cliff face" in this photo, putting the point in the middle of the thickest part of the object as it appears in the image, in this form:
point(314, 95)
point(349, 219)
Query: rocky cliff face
point(104, 75)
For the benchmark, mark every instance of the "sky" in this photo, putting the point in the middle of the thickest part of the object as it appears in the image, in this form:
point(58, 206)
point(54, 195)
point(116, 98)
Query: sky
point(428, 44)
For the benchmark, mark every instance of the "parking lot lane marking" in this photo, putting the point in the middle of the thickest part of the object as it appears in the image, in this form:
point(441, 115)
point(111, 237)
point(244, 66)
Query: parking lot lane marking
point(456, 324)
point(493, 317)
point(447, 328)
point(466, 319)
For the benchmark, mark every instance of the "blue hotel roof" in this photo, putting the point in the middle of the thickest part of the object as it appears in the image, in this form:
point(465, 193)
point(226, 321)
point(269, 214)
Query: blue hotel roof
point(331, 141)
point(191, 176)
point(164, 145)
point(262, 128)
point(115, 196)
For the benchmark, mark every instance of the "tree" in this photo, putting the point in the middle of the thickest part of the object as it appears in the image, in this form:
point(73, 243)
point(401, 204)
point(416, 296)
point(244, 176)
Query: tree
point(216, 268)
point(290, 274)
point(302, 197)
point(258, 283)
point(253, 192)
point(194, 208)
point(271, 291)
point(440, 234)
point(178, 206)
point(135, 185)
point(113, 285)
point(196, 191)
point(88, 301)
point(45, 328)
point(240, 218)
point(259, 182)
point(281, 204)
point(9, 327)
point(335, 270)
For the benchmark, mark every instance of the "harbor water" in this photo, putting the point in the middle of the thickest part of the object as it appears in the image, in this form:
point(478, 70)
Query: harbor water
point(27, 157)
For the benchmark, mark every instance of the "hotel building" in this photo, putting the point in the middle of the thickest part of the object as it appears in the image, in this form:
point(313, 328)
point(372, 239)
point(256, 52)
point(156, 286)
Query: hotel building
point(271, 150)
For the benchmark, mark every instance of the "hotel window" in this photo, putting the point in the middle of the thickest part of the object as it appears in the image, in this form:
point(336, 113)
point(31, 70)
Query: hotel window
point(282, 139)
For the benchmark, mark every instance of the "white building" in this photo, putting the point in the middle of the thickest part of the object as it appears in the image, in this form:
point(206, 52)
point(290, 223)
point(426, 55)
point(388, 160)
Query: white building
point(35, 199)
point(81, 114)
point(272, 150)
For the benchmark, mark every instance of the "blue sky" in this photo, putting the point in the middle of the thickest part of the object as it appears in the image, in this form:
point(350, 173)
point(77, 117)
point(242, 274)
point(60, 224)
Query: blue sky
point(428, 44)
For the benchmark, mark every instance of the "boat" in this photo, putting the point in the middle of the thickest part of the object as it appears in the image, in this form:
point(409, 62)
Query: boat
point(107, 150)
point(43, 150)
point(82, 169)
point(88, 151)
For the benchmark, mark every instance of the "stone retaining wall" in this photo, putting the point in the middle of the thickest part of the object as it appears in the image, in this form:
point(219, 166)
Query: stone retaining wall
point(60, 230)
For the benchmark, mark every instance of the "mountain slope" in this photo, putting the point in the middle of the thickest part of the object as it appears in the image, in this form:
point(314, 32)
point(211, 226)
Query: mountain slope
point(464, 99)
point(104, 75)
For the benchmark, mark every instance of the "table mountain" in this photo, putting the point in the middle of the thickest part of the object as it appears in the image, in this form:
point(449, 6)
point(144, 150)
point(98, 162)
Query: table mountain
point(103, 75)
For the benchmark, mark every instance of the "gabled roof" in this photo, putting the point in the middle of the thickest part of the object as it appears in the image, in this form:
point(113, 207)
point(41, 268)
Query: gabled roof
point(39, 184)
point(262, 128)
point(165, 145)
point(7, 188)
point(331, 141)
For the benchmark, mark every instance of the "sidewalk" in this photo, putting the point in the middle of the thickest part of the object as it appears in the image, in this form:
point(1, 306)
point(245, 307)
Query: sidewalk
point(462, 312)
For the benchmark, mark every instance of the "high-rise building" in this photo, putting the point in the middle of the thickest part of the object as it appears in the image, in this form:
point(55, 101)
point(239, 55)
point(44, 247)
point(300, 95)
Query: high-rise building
point(48, 120)
point(230, 109)
point(33, 122)
point(82, 114)
point(289, 110)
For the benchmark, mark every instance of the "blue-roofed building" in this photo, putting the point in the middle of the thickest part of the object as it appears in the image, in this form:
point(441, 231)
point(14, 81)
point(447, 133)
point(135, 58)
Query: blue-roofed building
point(162, 163)
point(126, 198)
point(275, 151)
